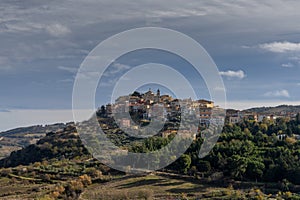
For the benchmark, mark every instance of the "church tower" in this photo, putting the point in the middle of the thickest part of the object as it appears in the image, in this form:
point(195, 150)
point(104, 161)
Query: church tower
point(158, 93)
point(158, 96)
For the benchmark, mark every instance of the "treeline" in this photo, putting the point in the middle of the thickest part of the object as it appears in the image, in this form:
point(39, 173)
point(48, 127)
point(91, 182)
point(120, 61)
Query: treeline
point(265, 151)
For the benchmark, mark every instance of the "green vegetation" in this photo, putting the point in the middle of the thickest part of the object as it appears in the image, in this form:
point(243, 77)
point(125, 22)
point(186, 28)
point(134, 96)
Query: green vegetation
point(251, 160)
point(62, 144)
point(249, 151)
point(18, 138)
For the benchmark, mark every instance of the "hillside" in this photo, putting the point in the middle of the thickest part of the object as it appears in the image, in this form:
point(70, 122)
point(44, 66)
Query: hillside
point(61, 144)
point(275, 110)
point(247, 159)
point(18, 138)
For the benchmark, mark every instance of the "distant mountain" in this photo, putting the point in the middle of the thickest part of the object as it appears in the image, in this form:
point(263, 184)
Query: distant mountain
point(22, 137)
point(275, 110)
point(64, 143)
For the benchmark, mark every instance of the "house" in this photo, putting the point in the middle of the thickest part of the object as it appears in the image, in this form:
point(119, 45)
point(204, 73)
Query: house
point(250, 116)
point(108, 110)
point(158, 111)
point(125, 123)
point(149, 96)
point(187, 134)
point(205, 103)
point(233, 116)
point(205, 115)
point(234, 119)
point(260, 118)
point(165, 99)
point(281, 137)
point(133, 99)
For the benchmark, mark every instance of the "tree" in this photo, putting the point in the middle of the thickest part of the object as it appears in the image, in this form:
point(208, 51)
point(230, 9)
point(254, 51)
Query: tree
point(102, 111)
point(203, 166)
point(263, 127)
point(183, 163)
point(294, 176)
point(85, 180)
point(298, 118)
point(238, 166)
point(255, 169)
point(136, 94)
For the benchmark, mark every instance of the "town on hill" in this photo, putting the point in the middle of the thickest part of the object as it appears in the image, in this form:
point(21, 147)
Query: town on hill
point(149, 104)
point(255, 157)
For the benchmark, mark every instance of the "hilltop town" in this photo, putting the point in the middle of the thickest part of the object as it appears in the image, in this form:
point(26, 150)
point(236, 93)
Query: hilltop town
point(152, 104)
point(144, 106)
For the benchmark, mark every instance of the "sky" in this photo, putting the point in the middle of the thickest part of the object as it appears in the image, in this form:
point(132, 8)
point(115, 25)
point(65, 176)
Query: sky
point(255, 45)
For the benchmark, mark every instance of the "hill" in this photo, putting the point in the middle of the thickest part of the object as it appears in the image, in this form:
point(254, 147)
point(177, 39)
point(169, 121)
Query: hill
point(18, 138)
point(247, 159)
point(64, 143)
point(275, 110)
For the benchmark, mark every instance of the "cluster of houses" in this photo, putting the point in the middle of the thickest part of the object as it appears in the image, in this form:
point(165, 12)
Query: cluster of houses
point(150, 105)
point(154, 104)
point(236, 116)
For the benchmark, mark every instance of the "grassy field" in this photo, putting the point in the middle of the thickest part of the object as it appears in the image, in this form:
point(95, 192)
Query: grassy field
point(12, 189)
point(156, 187)
point(151, 186)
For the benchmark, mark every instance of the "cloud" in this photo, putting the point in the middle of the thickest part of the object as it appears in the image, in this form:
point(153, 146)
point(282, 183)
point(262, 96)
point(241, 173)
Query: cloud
point(233, 74)
point(4, 110)
point(287, 65)
point(219, 89)
point(87, 75)
point(4, 63)
point(177, 13)
point(37, 36)
point(277, 93)
point(58, 30)
point(280, 47)
point(67, 80)
point(68, 69)
point(295, 59)
point(116, 68)
point(113, 72)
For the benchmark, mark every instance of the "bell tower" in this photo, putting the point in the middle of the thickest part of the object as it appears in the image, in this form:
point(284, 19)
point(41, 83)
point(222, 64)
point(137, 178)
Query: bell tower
point(157, 96)
point(158, 93)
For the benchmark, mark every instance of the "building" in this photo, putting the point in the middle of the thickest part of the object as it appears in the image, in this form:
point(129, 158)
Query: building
point(233, 116)
point(205, 115)
point(281, 137)
point(158, 111)
point(234, 119)
point(149, 96)
point(125, 123)
point(205, 108)
point(157, 97)
point(108, 110)
point(166, 99)
point(206, 103)
point(250, 116)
